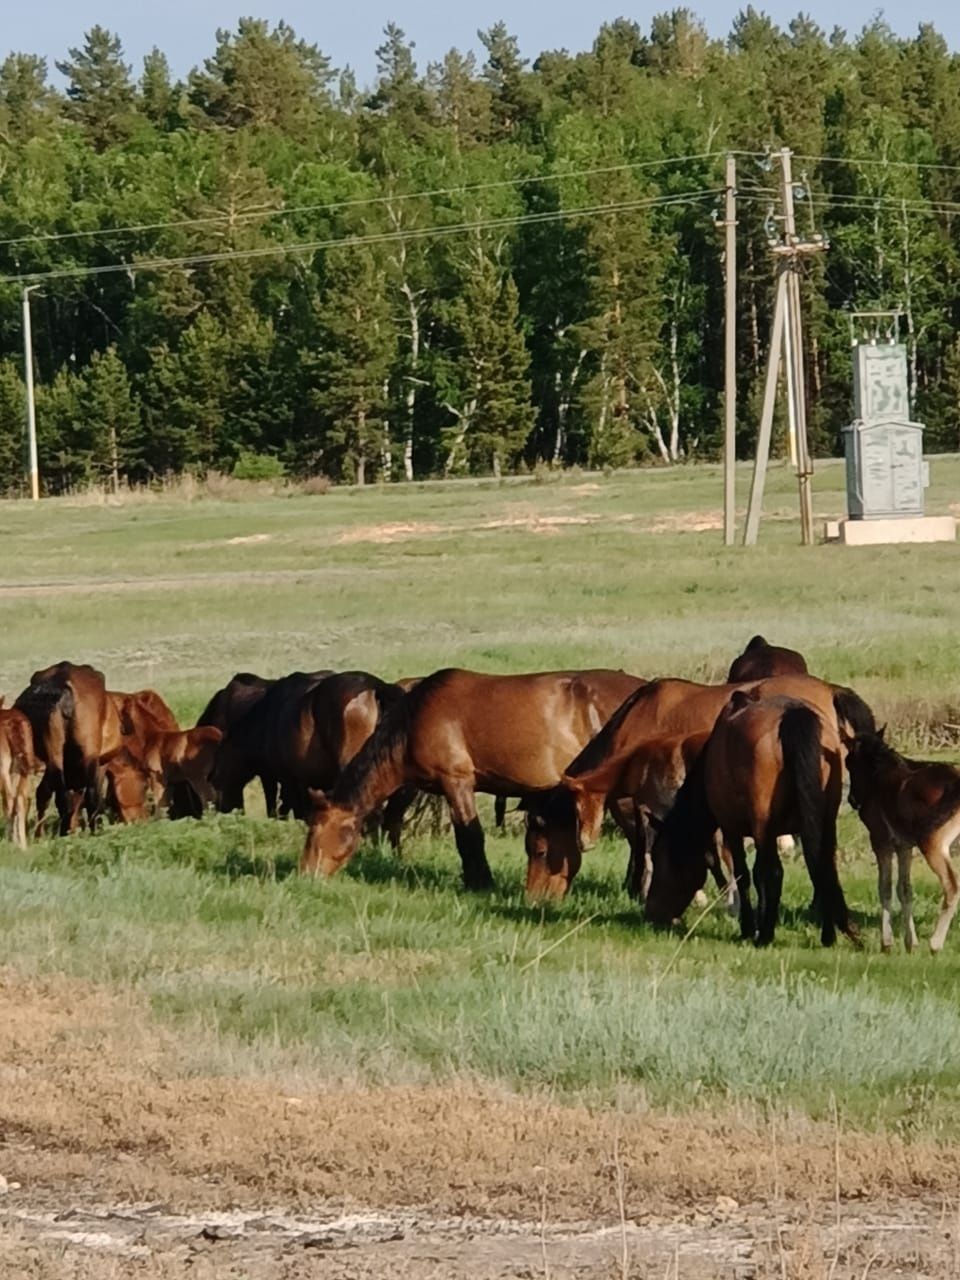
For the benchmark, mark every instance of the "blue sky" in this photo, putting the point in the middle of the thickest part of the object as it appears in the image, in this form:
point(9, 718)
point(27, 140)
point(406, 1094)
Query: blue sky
point(349, 32)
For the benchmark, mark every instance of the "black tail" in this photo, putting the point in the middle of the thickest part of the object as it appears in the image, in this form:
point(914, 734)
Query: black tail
point(800, 739)
point(852, 709)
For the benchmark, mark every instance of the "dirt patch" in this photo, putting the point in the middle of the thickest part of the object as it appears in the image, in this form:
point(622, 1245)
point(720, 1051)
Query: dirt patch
point(390, 532)
point(97, 1113)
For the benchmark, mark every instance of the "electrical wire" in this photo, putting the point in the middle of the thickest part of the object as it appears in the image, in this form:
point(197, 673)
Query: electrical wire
point(386, 237)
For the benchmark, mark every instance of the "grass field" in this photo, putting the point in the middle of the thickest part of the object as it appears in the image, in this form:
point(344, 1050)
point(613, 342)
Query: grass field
point(389, 976)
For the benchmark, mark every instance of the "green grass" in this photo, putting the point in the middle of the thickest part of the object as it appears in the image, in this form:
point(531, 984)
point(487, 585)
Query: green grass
point(390, 972)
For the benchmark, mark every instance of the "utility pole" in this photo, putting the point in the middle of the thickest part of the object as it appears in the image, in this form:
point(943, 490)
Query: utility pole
point(786, 343)
point(730, 353)
point(31, 406)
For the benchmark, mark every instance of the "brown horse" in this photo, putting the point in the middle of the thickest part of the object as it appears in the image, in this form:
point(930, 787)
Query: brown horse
point(772, 764)
point(905, 804)
point(606, 769)
point(17, 766)
point(127, 785)
point(458, 732)
point(75, 723)
point(301, 733)
point(761, 660)
point(182, 756)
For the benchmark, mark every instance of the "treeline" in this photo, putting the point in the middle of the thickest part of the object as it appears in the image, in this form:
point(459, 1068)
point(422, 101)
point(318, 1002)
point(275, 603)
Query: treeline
point(500, 261)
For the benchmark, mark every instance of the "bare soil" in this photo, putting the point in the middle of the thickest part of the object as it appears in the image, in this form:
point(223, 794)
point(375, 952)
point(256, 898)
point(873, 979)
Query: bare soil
point(118, 1163)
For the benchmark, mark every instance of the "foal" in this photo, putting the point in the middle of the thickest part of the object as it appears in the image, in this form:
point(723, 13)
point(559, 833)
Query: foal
point(905, 803)
point(17, 765)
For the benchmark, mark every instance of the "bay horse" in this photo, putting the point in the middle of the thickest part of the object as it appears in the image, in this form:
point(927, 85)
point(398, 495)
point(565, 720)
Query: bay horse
point(905, 804)
point(301, 733)
point(17, 766)
point(772, 764)
point(74, 723)
point(457, 732)
point(606, 769)
point(761, 660)
point(185, 756)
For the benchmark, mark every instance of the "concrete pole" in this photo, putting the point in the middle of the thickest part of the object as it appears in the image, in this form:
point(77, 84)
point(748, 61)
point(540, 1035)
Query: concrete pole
point(31, 406)
point(730, 354)
point(795, 348)
point(766, 416)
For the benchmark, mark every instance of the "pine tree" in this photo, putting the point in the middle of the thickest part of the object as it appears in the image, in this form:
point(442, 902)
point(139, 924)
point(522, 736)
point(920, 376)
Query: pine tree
point(100, 92)
point(28, 106)
point(349, 371)
point(112, 416)
point(12, 433)
point(487, 384)
point(159, 96)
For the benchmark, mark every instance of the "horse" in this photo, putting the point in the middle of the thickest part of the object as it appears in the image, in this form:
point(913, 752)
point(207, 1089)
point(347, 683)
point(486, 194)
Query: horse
point(127, 784)
point(772, 764)
point(75, 724)
point(185, 756)
point(224, 711)
point(301, 733)
point(458, 732)
point(17, 766)
point(905, 804)
point(761, 660)
point(605, 769)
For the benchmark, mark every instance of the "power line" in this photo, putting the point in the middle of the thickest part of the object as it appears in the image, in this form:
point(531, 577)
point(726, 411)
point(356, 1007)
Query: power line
point(386, 237)
point(359, 202)
point(839, 201)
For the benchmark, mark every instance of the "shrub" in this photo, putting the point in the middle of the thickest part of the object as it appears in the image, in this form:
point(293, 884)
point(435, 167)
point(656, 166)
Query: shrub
point(257, 466)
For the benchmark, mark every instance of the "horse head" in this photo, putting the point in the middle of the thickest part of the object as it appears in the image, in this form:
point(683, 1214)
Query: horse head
point(333, 835)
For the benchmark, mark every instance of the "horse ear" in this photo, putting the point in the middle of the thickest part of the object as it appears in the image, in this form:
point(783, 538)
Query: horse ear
point(318, 799)
point(882, 733)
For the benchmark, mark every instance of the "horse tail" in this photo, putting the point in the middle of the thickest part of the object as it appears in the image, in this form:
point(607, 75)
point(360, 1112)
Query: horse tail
point(801, 743)
point(850, 707)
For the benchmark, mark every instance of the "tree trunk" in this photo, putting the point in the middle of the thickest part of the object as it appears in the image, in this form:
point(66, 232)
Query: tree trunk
point(386, 457)
point(361, 447)
point(410, 398)
point(114, 460)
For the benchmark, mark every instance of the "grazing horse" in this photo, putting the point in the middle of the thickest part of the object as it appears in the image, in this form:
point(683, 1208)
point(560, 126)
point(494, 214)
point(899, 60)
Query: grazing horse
point(126, 783)
point(301, 733)
point(224, 711)
point(760, 660)
point(772, 764)
point(458, 732)
point(75, 724)
point(607, 767)
point(17, 765)
point(184, 756)
point(905, 804)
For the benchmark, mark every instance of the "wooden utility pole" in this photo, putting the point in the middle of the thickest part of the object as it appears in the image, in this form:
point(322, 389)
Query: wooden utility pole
point(786, 343)
point(31, 403)
point(730, 354)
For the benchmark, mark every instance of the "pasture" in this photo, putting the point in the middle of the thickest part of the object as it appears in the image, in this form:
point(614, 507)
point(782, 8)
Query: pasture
point(243, 1037)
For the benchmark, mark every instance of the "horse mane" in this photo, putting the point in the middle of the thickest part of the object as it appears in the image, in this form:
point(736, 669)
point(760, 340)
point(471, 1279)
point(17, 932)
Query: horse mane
point(851, 707)
point(387, 745)
point(689, 821)
point(595, 753)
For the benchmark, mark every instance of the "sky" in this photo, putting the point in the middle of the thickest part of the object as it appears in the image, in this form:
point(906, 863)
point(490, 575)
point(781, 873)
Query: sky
point(349, 31)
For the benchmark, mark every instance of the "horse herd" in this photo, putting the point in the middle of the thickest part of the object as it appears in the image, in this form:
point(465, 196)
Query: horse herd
point(687, 772)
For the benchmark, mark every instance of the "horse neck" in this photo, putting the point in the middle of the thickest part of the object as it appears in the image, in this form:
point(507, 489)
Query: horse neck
point(371, 777)
point(690, 817)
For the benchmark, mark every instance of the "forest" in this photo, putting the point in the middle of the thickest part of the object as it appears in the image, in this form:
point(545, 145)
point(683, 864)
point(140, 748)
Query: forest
point(482, 265)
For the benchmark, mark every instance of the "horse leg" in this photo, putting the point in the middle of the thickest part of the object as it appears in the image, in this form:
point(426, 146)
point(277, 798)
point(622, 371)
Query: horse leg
point(741, 878)
point(905, 894)
point(936, 850)
point(394, 812)
point(639, 866)
point(21, 801)
point(884, 856)
point(41, 800)
point(500, 813)
point(469, 835)
point(768, 877)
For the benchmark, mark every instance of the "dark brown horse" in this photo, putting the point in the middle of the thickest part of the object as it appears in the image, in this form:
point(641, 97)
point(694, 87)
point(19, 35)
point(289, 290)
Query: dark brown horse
point(761, 660)
point(301, 733)
point(906, 804)
point(75, 723)
point(458, 732)
point(771, 765)
point(608, 766)
point(224, 711)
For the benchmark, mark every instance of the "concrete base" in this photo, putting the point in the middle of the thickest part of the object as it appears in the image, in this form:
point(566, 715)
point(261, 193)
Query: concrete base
point(868, 533)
